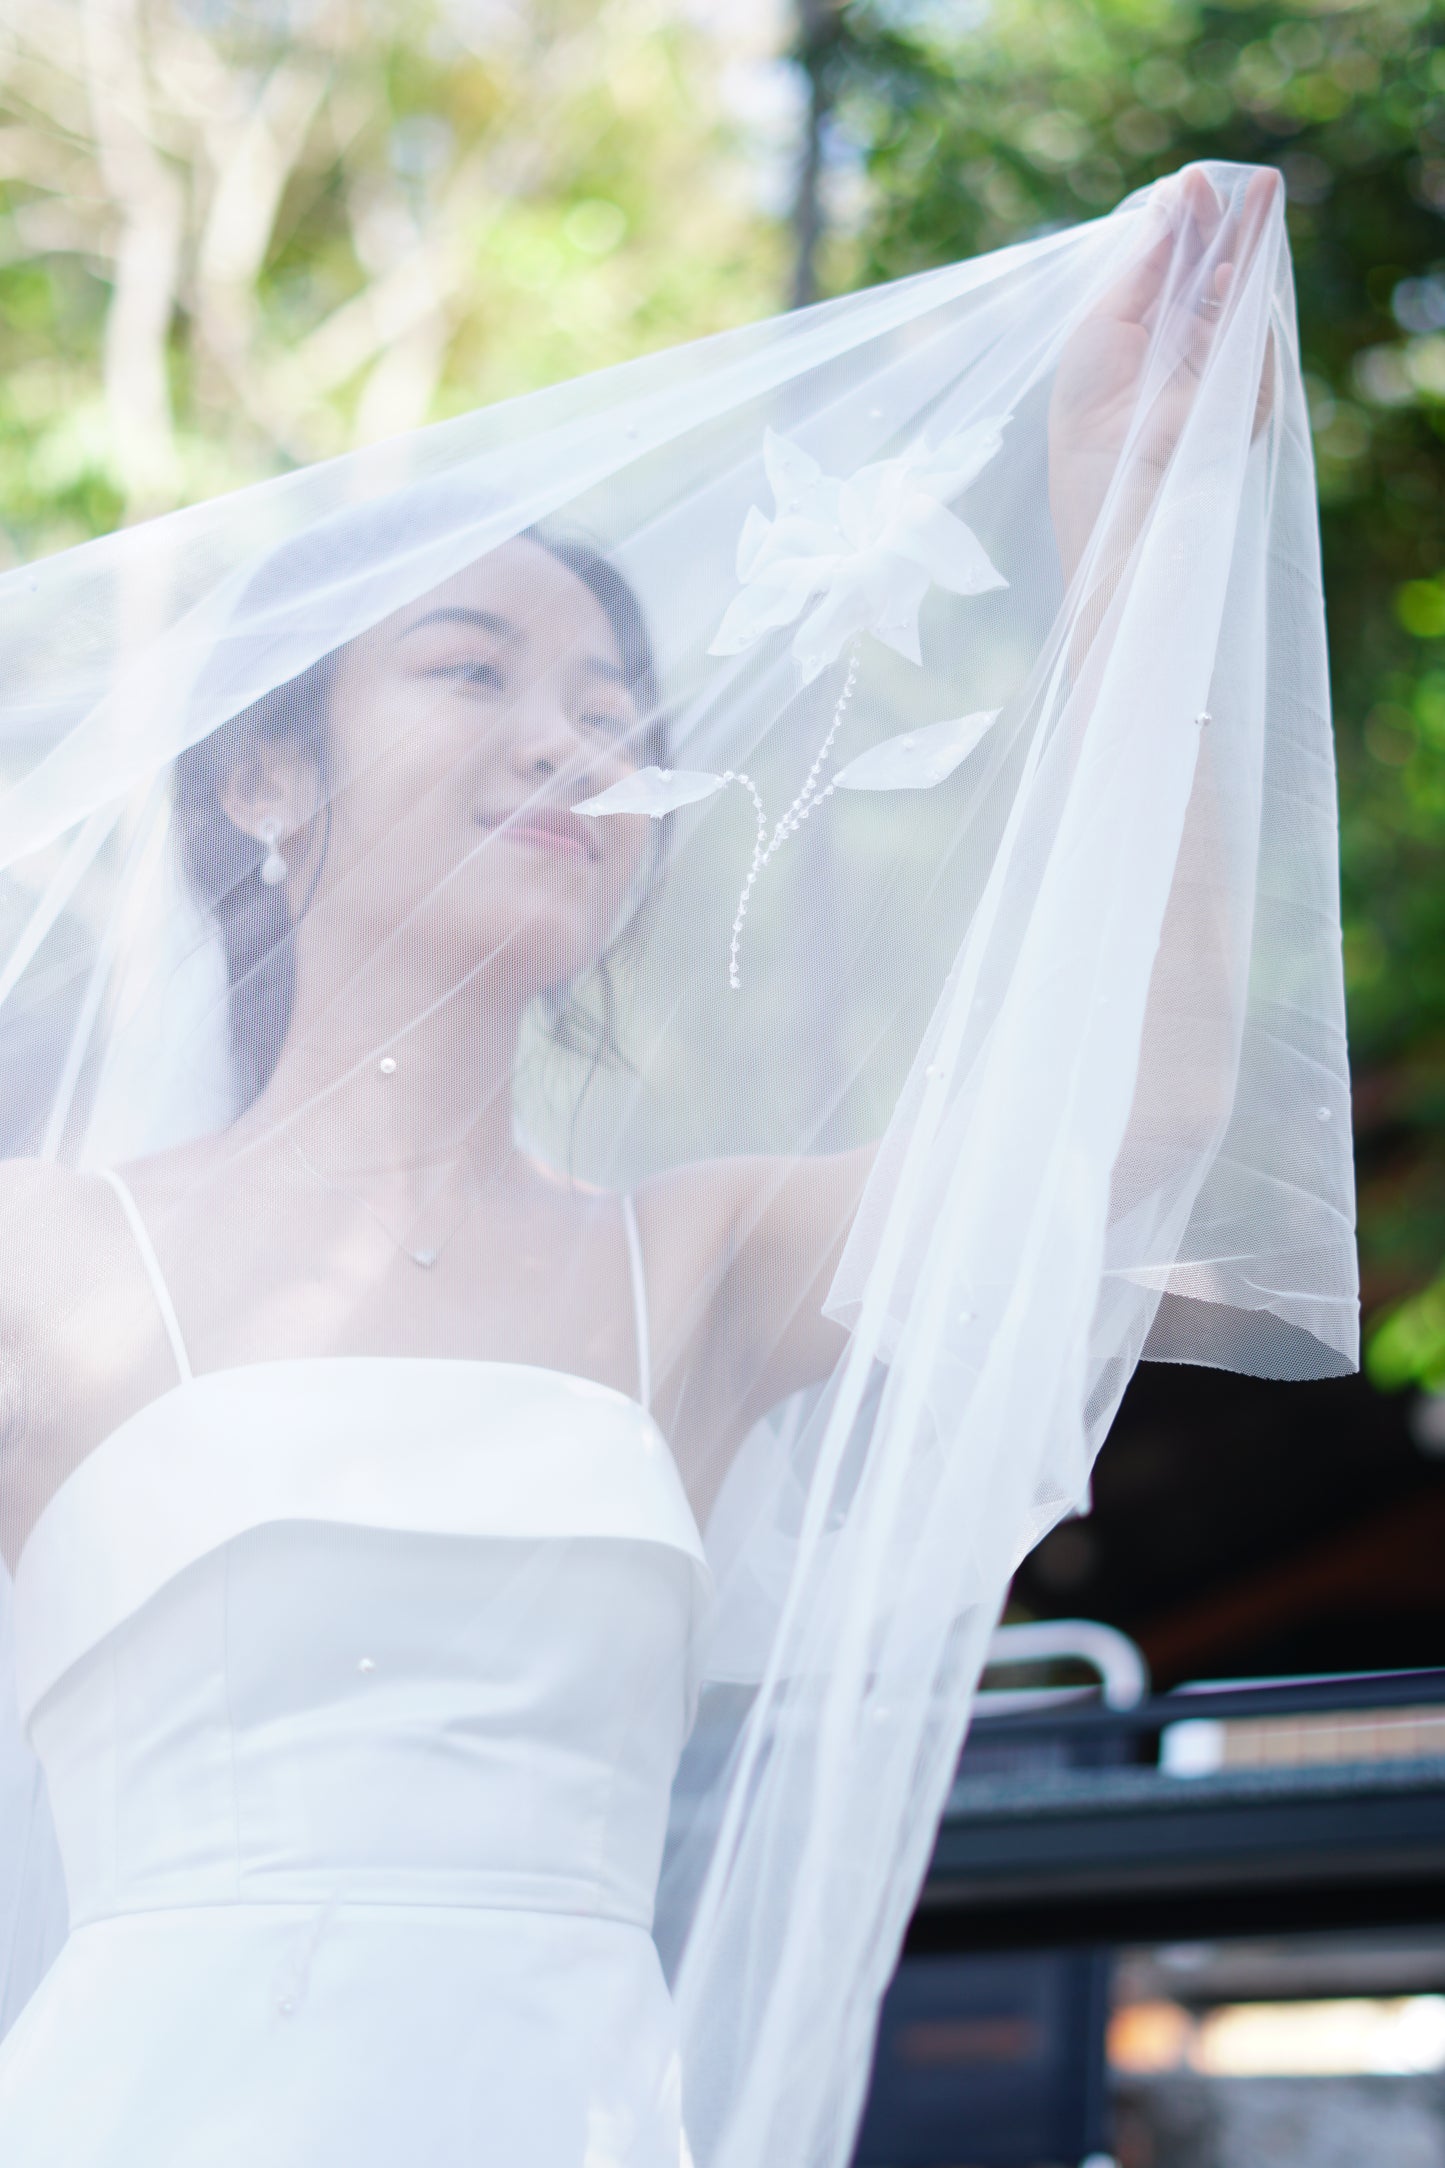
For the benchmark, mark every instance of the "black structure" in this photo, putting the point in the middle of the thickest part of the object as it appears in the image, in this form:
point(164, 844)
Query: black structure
point(1065, 1838)
point(1008, 2050)
point(1246, 1529)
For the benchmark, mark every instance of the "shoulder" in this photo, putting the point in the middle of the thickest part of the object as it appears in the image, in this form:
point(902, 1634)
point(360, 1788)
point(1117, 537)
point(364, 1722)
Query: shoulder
point(58, 1231)
point(80, 1343)
point(716, 1228)
point(54, 1227)
point(48, 1213)
point(75, 1294)
point(761, 1197)
point(699, 1207)
point(36, 1181)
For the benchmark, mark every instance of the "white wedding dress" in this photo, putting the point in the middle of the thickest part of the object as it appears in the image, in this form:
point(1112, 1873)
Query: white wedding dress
point(361, 1803)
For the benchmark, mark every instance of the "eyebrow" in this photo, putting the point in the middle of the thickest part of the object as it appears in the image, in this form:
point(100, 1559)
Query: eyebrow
point(503, 627)
point(484, 620)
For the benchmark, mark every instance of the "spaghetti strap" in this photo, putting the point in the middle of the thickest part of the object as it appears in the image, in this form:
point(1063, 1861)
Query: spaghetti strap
point(153, 1272)
point(639, 1302)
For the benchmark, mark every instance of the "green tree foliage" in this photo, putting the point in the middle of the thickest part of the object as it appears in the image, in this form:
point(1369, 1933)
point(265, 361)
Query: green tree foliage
point(240, 234)
point(1045, 111)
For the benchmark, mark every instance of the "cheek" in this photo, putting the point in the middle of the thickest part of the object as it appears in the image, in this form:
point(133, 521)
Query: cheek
point(403, 795)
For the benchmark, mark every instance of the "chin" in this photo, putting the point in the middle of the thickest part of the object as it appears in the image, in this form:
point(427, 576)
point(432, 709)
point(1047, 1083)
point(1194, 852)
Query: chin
point(537, 952)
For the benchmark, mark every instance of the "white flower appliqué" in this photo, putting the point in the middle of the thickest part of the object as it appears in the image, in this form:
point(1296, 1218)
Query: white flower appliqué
point(858, 557)
point(862, 552)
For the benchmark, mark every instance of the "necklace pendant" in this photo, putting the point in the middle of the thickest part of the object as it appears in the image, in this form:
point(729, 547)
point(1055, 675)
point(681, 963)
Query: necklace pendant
point(425, 1258)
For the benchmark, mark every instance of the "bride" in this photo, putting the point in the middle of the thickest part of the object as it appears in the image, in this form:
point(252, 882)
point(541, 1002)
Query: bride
point(385, 1494)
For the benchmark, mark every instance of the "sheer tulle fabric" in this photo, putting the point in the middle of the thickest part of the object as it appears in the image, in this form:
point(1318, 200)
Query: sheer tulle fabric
point(682, 976)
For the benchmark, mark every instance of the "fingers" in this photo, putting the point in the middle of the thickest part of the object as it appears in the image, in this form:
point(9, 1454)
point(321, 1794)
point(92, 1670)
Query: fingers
point(1193, 214)
point(1203, 213)
point(1205, 228)
point(1260, 197)
point(1264, 398)
point(1264, 190)
point(1238, 237)
point(1239, 233)
point(1137, 289)
point(1199, 227)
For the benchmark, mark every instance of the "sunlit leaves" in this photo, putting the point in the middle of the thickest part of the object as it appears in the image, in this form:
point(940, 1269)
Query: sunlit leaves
point(387, 217)
point(1420, 607)
point(1349, 101)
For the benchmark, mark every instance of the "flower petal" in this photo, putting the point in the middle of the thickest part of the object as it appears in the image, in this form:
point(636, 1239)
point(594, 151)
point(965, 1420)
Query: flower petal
point(849, 605)
point(901, 634)
point(918, 759)
point(948, 549)
point(792, 534)
point(895, 621)
point(769, 600)
point(752, 541)
point(789, 469)
point(947, 470)
point(653, 790)
point(858, 516)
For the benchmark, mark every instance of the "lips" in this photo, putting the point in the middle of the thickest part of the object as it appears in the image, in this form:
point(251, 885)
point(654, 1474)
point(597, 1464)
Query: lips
point(540, 828)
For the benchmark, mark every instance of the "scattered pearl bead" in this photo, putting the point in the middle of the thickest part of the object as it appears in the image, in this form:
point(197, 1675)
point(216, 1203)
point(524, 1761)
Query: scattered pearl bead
point(387, 1065)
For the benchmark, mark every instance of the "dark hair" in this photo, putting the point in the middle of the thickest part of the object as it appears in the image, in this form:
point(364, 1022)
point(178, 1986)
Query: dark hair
point(222, 864)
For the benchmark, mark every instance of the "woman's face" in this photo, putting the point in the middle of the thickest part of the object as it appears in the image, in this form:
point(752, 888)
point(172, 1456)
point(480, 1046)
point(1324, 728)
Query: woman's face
point(464, 728)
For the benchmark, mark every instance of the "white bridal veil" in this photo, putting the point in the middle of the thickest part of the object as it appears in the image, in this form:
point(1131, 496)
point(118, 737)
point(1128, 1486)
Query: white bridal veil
point(901, 844)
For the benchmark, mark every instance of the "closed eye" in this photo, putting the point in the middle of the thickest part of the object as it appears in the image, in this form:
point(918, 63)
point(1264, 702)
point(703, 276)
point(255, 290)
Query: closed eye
point(481, 675)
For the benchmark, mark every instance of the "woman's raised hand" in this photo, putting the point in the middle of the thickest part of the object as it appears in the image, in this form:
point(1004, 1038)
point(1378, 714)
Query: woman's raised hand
point(1190, 268)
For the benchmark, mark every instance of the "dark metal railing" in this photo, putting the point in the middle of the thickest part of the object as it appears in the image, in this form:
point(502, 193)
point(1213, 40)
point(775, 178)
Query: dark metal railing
point(1064, 1830)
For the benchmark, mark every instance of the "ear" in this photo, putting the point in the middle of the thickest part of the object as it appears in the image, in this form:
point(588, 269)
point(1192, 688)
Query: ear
point(271, 794)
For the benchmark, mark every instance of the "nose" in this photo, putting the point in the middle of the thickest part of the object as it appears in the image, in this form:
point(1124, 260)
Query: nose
point(545, 741)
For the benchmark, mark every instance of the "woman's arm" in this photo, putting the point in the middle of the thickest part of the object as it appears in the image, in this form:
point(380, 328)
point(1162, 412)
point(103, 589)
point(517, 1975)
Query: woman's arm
point(788, 1222)
point(1185, 1083)
point(784, 1224)
point(1096, 386)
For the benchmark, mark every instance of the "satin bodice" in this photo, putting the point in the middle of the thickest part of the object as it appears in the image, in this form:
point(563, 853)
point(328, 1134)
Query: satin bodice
point(365, 1630)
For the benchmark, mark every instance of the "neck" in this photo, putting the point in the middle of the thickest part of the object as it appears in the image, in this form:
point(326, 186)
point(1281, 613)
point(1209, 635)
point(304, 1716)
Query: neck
point(374, 1082)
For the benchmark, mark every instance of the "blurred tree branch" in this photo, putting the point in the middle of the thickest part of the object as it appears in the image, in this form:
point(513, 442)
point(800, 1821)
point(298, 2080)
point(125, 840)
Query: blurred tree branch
point(231, 241)
point(818, 46)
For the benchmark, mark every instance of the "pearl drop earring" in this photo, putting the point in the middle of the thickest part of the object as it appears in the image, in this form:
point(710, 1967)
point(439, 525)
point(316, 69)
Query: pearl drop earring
point(273, 865)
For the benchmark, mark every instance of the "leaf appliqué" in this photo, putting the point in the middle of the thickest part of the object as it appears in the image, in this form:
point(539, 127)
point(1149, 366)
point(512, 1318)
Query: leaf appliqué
point(918, 759)
point(654, 791)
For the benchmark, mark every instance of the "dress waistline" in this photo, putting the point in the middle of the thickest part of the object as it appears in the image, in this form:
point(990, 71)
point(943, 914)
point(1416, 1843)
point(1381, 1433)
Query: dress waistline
point(350, 1905)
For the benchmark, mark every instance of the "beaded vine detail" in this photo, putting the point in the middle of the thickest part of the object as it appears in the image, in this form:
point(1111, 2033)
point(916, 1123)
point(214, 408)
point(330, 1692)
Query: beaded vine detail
point(840, 558)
